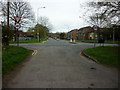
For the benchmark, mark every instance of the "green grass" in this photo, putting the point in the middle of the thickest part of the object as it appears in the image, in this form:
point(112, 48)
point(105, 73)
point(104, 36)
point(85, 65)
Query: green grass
point(30, 41)
point(87, 41)
point(106, 55)
point(112, 42)
point(12, 56)
point(92, 41)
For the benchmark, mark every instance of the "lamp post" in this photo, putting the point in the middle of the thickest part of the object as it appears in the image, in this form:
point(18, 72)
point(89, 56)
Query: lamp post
point(95, 27)
point(113, 35)
point(71, 36)
point(37, 22)
point(114, 26)
point(38, 12)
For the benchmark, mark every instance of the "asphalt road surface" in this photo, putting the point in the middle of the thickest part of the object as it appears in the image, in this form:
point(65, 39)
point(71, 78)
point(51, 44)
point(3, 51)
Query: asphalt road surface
point(58, 64)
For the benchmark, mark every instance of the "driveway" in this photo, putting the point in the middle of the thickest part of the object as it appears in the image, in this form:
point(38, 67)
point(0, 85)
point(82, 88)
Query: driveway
point(58, 64)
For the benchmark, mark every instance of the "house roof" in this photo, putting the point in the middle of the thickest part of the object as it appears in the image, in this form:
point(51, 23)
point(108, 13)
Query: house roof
point(86, 29)
point(73, 30)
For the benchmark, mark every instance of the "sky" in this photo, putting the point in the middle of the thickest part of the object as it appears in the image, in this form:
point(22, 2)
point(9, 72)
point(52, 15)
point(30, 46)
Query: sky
point(64, 15)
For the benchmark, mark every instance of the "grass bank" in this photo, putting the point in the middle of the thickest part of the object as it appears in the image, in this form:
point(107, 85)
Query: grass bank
point(12, 56)
point(92, 41)
point(106, 55)
point(29, 41)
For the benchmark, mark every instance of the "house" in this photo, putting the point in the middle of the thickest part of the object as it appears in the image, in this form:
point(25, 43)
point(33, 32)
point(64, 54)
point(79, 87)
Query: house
point(85, 33)
point(23, 35)
point(72, 34)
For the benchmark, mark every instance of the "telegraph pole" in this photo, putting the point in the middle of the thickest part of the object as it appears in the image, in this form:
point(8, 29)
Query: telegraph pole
point(7, 38)
point(8, 3)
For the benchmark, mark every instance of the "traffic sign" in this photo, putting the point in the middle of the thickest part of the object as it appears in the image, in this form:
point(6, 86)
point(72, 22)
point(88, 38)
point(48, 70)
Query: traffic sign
point(17, 26)
point(17, 18)
point(95, 27)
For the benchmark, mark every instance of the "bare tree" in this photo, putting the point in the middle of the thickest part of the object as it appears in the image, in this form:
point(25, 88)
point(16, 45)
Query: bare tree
point(16, 9)
point(98, 19)
point(109, 9)
point(111, 15)
point(43, 20)
point(92, 14)
point(19, 9)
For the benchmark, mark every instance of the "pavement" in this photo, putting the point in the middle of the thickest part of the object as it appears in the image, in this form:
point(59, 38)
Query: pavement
point(58, 64)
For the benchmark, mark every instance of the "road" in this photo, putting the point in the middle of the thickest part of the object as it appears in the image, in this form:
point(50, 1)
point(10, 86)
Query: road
point(58, 64)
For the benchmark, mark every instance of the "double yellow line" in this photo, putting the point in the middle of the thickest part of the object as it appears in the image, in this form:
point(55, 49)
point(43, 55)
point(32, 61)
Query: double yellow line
point(35, 52)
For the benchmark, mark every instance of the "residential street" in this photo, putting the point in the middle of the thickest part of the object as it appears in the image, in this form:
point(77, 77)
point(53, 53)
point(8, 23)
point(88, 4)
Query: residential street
point(59, 64)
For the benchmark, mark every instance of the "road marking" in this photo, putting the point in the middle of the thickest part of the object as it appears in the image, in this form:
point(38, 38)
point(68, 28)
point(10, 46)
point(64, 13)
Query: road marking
point(35, 52)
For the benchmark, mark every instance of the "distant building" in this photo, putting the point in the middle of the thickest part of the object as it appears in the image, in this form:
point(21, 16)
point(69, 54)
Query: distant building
point(85, 33)
point(72, 34)
point(69, 35)
point(24, 35)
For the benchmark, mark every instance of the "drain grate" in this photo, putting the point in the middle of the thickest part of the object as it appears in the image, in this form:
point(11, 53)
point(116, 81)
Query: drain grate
point(91, 84)
point(93, 68)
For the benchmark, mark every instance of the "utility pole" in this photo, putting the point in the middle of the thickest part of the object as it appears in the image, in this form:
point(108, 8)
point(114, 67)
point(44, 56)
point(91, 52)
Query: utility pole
point(7, 38)
point(8, 3)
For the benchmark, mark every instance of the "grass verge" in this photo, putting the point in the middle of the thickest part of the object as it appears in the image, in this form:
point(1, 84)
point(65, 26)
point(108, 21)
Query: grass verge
point(12, 56)
point(106, 55)
point(92, 41)
point(30, 41)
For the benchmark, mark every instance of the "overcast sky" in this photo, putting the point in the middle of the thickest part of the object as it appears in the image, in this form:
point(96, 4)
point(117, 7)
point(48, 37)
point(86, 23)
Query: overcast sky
point(63, 14)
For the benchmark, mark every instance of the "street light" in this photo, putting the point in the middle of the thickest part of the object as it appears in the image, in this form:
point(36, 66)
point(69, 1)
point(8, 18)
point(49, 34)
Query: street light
point(113, 33)
point(95, 27)
point(38, 12)
point(112, 26)
point(37, 21)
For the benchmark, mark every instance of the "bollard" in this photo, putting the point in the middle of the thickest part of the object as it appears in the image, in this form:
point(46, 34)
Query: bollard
point(70, 40)
point(74, 40)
